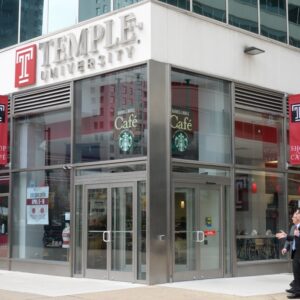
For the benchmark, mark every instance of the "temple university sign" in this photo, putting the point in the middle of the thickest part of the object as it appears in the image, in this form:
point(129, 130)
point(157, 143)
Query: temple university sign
point(100, 45)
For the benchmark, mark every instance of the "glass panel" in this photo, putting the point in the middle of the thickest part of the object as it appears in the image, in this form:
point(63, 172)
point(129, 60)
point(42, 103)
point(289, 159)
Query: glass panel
point(4, 184)
point(210, 224)
point(9, 14)
point(90, 8)
point(185, 230)
point(293, 194)
point(141, 231)
point(215, 9)
point(62, 14)
point(7, 166)
point(40, 222)
point(42, 140)
point(201, 171)
point(258, 139)
point(32, 19)
point(122, 229)
point(78, 230)
point(3, 226)
point(273, 19)
point(294, 23)
point(97, 229)
point(120, 169)
point(244, 14)
point(122, 3)
point(184, 4)
point(260, 213)
point(111, 111)
point(200, 120)
point(228, 236)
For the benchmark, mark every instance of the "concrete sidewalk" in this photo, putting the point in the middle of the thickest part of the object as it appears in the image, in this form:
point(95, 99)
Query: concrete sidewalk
point(26, 286)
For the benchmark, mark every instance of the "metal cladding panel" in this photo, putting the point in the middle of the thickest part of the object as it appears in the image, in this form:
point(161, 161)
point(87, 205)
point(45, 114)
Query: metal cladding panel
point(259, 98)
point(42, 98)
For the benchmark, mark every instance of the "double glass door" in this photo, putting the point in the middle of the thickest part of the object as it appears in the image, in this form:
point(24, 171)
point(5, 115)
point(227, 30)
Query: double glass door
point(109, 231)
point(198, 237)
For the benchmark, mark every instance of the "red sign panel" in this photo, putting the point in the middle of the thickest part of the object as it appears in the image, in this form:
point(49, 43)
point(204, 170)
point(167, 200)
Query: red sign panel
point(25, 71)
point(211, 232)
point(294, 110)
point(3, 130)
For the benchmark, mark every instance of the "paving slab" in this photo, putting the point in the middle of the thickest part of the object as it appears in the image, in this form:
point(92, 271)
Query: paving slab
point(27, 286)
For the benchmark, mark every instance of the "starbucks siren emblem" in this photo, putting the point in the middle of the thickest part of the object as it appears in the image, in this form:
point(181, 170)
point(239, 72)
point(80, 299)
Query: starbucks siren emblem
point(125, 140)
point(181, 141)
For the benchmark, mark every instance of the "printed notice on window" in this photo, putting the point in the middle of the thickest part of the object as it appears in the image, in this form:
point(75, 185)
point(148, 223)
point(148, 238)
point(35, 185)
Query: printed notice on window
point(37, 205)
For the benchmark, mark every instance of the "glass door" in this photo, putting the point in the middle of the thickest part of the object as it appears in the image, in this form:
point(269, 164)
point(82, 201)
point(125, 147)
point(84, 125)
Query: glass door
point(109, 231)
point(197, 232)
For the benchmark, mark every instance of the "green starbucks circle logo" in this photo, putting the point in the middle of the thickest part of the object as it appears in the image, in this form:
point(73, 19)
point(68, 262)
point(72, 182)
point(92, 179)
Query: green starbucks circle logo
point(125, 140)
point(181, 141)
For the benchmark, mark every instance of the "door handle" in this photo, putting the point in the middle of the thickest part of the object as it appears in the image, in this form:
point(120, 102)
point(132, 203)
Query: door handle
point(106, 236)
point(198, 238)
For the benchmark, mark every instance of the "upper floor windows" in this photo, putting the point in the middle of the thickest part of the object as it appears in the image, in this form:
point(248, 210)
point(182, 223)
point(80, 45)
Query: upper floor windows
point(270, 18)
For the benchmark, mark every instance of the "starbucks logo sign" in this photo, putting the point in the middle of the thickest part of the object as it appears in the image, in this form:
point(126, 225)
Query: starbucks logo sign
point(180, 140)
point(125, 140)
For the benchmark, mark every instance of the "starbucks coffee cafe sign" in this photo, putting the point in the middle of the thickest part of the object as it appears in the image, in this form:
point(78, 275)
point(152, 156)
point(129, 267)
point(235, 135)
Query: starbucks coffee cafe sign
point(182, 129)
point(126, 129)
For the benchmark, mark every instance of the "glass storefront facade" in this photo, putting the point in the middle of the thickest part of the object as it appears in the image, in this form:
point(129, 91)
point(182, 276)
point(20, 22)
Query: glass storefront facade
point(80, 180)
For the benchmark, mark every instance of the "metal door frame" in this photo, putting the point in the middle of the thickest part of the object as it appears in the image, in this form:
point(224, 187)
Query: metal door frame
point(196, 182)
point(109, 273)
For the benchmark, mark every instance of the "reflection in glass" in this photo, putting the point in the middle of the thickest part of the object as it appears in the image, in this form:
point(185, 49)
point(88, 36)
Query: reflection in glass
point(184, 4)
point(244, 14)
point(37, 230)
point(215, 9)
point(200, 120)
point(90, 8)
point(3, 225)
point(42, 140)
point(258, 139)
point(32, 21)
point(122, 229)
point(259, 208)
point(97, 229)
point(293, 193)
point(185, 229)
point(294, 23)
point(62, 14)
point(141, 231)
point(111, 111)
point(9, 14)
point(122, 3)
point(78, 250)
point(273, 19)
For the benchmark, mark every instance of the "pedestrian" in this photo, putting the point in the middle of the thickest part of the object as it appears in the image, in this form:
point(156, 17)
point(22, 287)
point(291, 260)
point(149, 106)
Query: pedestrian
point(293, 241)
point(288, 245)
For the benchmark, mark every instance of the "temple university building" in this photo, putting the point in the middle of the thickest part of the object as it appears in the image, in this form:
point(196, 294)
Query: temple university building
point(148, 141)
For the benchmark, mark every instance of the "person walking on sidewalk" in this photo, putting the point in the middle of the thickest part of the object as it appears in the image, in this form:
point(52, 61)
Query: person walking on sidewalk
point(294, 239)
point(288, 245)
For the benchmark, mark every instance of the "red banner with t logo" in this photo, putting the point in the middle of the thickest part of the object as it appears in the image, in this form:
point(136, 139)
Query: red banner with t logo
point(294, 110)
point(3, 130)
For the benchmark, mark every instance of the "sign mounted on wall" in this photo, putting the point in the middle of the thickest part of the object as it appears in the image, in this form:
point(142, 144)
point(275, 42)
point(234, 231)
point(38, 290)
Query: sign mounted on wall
point(3, 130)
point(25, 66)
point(294, 134)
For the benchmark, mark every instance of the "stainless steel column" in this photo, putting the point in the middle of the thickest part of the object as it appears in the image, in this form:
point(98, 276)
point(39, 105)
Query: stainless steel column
point(158, 173)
